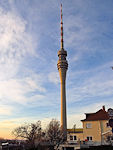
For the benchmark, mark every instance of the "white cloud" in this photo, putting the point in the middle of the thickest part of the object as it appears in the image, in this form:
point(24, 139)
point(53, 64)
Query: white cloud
point(75, 119)
point(6, 110)
point(94, 83)
point(54, 77)
point(17, 89)
point(34, 82)
point(77, 31)
point(75, 58)
point(91, 89)
point(15, 43)
point(12, 90)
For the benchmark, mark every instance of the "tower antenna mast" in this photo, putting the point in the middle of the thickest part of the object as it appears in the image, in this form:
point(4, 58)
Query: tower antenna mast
point(62, 42)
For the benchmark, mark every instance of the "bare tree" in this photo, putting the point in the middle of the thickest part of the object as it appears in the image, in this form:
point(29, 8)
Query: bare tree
point(29, 132)
point(54, 132)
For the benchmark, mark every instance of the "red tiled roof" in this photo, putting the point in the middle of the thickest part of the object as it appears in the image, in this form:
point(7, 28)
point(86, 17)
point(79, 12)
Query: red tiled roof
point(99, 115)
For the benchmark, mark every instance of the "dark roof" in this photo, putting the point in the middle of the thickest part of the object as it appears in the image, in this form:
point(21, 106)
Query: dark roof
point(78, 130)
point(99, 115)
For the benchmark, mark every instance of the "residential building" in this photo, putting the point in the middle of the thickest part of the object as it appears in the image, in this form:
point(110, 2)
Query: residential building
point(96, 126)
point(95, 129)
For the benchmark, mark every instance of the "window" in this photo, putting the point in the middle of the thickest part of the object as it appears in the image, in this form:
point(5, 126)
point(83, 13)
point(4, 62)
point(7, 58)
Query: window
point(75, 138)
point(89, 138)
point(107, 125)
point(88, 125)
point(71, 137)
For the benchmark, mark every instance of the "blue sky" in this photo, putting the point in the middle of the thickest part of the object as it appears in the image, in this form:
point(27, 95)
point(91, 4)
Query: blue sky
point(30, 40)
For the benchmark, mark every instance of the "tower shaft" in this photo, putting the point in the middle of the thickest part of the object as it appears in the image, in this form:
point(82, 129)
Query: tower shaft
point(62, 73)
point(62, 68)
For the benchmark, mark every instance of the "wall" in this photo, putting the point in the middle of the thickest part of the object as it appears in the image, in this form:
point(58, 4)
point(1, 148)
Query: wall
point(79, 137)
point(96, 131)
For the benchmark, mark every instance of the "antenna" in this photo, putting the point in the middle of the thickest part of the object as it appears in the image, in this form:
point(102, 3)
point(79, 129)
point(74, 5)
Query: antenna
point(62, 43)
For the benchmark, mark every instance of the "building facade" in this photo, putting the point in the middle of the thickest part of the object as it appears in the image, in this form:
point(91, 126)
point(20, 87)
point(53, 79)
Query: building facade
point(74, 135)
point(96, 126)
point(95, 130)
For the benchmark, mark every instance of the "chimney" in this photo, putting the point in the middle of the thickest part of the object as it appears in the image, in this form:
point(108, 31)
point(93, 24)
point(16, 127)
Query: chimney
point(103, 107)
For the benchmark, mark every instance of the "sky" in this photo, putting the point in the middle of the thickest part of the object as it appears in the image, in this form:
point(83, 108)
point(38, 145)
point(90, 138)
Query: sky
point(29, 42)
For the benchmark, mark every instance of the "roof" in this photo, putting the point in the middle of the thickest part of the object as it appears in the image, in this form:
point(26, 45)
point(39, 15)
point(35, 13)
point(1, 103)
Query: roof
point(99, 115)
point(79, 130)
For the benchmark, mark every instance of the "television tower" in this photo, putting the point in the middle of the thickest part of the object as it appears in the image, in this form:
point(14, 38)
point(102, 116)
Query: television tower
point(62, 66)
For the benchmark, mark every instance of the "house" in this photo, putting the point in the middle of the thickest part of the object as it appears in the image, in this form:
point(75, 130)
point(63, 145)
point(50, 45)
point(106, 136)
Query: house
point(96, 126)
point(95, 130)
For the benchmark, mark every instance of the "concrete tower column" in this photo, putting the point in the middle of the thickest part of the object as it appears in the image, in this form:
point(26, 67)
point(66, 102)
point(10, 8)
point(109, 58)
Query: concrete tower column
point(62, 68)
point(62, 73)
